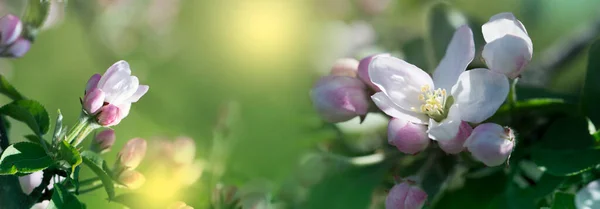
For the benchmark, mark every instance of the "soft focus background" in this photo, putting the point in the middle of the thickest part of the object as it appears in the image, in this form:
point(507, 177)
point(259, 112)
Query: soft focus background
point(261, 56)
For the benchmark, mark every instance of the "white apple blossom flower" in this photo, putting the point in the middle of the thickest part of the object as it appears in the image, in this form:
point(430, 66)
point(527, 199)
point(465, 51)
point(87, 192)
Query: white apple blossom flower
point(508, 48)
point(453, 95)
point(588, 197)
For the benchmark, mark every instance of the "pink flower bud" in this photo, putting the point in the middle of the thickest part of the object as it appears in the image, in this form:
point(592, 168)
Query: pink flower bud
point(18, 48)
point(457, 144)
point(132, 153)
point(10, 29)
point(92, 82)
point(339, 98)
point(109, 115)
point(132, 179)
point(93, 101)
point(185, 150)
point(103, 141)
point(363, 70)
point(491, 143)
point(405, 196)
point(374, 7)
point(408, 137)
point(345, 67)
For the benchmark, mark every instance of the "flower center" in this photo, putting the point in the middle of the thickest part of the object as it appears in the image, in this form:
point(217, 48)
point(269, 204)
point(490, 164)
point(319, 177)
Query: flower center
point(434, 102)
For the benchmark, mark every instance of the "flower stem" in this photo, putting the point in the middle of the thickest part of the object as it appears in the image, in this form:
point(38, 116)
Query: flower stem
point(80, 130)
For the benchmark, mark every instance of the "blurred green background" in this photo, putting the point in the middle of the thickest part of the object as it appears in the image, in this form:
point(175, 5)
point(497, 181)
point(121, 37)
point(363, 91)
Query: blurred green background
point(262, 54)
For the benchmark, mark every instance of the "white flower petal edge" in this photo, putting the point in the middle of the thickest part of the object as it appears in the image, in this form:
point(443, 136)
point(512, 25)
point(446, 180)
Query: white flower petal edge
point(388, 107)
point(447, 128)
point(399, 80)
point(479, 93)
point(459, 54)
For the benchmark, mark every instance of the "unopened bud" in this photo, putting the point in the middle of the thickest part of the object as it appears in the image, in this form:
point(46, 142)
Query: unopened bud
point(363, 70)
point(373, 7)
point(18, 48)
point(184, 150)
point(92, 82)
point(108, 115)
point(457, 144)
point(179, 205)
point(93, 100)
point(103, 141)
point(339, 98)
point(345, 67)
point(491, 143)
point(405, 196)
point(132, 179)
point(408, 137)
point(10, 29)
point(587, 197)
point(132, 153)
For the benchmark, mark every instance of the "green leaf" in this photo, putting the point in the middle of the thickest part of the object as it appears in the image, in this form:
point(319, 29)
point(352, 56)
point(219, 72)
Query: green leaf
point(565, 140)
point(98, 166)
point(62, 199)
point(589, 98)
point(563, 200)
point(476, 193)
point(437, 174)
point(547, 184)
point(351, 188)
point(35, 16)
point(415, 53)
point(8, 90)
point(30, 112)
point(441, 29)
point(70, 154)
point(23, 158)
point(11, 195)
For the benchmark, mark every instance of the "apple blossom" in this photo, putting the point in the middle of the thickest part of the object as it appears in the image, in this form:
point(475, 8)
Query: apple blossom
point(18, 48)
point(443, 102)
point(93, 100)
point(30, 182)
point(508, 48)
point(339, 98)
point(363, 70)
point(103, 141)
point(408, 137)
point(405, 196)
point(132, 179)
point(588, 197)
point(119, 88)
point(491, 143)
point(10, 29)
point(132, 153)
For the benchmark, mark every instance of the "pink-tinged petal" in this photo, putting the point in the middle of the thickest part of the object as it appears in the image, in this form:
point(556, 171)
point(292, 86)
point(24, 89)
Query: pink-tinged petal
point(120, 66)
point(124, 110)
point(141, 91)
point(132, 153)
point(92, 82)
point(479, 93)
point(363, 70)
point(386, 105)
point(446, 129)
point(507, 55)
point(397, 196)
point(10, 29)
point(345, 67)
point(459, 54)
point(491, 143)
point(408, 137)
point(108, 116)
point(120, 88)
point(415, 199)
point(501, 25)
point(456, 145)
point(399, 80)
point(18, 48)
point(132, 179)
point(93, 101)
point(103, 141)
point(31, 181)
point(339, 98)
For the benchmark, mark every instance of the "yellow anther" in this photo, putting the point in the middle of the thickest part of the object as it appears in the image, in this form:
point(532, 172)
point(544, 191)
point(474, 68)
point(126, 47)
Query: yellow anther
point(425, 88)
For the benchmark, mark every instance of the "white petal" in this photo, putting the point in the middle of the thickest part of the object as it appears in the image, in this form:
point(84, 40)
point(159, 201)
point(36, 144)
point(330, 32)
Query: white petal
point(447, 128)
point(388, 107)
point(124, 110)
point(120, 66)
point(120, 88)
point(507, 55)
point(479, 93)
point(399, 80)
point(504, 24)
point(141, 90)
point(459, 54)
